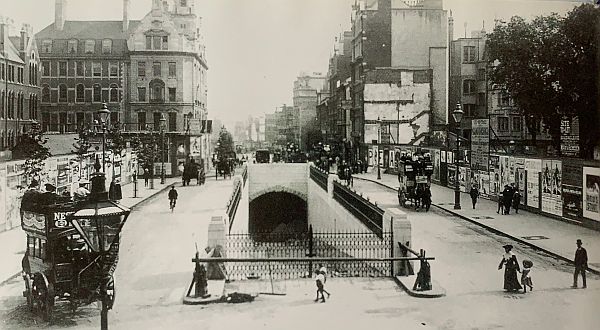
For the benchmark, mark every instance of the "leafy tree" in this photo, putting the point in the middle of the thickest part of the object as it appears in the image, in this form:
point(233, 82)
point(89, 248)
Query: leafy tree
point(549, 68)
point(32, 148)
point(225, 146)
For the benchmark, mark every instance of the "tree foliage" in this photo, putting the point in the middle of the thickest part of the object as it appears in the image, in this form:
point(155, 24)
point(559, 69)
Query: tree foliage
point(225, 146)
point(32, 148)
point(82, 144)
point(549, 67)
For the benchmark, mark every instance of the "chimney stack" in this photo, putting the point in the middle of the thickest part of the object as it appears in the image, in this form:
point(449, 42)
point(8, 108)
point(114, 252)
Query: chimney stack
point(3, 35)
point(125, 15)
point(60, 9)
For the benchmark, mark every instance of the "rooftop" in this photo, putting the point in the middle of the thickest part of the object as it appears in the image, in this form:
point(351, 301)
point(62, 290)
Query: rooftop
point(88, 30)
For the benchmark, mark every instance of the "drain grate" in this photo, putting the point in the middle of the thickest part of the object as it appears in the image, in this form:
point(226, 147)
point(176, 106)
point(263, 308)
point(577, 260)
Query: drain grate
point(483, 217)
point(534, 237)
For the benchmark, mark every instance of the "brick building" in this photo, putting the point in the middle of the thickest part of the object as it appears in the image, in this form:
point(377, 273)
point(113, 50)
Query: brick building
point(19, 83)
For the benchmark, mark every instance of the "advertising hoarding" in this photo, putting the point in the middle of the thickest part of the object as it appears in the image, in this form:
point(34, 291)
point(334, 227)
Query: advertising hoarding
point(591, 193)
point(533, 168)
point(480, 144)
point(552, 186)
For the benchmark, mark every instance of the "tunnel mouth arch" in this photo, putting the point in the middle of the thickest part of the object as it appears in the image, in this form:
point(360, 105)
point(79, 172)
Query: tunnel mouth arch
point(277, 216)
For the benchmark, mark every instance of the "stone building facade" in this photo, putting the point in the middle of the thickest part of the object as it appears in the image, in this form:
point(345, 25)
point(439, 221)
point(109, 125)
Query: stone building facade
point(19, 83)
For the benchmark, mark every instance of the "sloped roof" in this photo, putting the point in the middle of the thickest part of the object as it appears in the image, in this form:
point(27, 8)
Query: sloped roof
point(87, 30)
point(12, 51)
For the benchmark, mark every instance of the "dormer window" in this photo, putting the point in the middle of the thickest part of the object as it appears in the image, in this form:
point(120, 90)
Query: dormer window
point(106, 46)
point(72, 46)
point(157, 42)
point(47, 46)
point(89, 46)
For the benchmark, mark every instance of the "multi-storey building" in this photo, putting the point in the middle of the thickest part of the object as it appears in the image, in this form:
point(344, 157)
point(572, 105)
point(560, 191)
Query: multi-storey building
point(398, 44)
point(304, 99)
point(19, 83)
point(145, 71)
point(83, 65)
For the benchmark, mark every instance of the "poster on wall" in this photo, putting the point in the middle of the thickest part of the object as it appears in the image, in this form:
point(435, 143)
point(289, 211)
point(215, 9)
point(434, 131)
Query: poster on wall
point(533, 168)
point(443, 156)
point(463, 178)
point(552, 187)
point(480, 141)
point(494, 175)
point(451, 175)
point(520, 183)
point(504, 171)
point(195, 146)
point(572, 189)
point(436, 165)
point(591, 193)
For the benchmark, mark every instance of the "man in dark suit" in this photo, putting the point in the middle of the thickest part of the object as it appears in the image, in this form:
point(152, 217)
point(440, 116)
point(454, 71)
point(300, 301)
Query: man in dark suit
point(581, 260)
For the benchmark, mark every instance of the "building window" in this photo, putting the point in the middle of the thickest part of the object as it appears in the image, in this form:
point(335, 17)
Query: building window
point(156, 68)
point(80, 93)
point(79, 70)
point(45, 93)
point(157, 90)
point(2, 105)
point(142, 94)
point(148, 42)
point(89, 46)
point(88, 69)
point(141, 120)
point(2, 74)
point(106, 46)
point(114, 69)
point(156, 42)
point(156, 120)
point(62, 93)
point(503, 99)
point(47, 46)
point(469, 110)
point(481, 99)
point(468, 86)
point(114, 93)
point(469, 55)
point(172, 94)
point(20, 75)
point(62, 69)
point(481, 74)
point(141, 69)
point(172, 69)
point(96, 69)
point(516, 124)
point(172, 121)
point(503, 124)
point(165, 42)
point(97, 93)
point(72, 46)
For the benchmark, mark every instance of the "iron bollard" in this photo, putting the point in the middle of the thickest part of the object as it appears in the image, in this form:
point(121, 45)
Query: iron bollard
point(423, 281)
point(199, 281)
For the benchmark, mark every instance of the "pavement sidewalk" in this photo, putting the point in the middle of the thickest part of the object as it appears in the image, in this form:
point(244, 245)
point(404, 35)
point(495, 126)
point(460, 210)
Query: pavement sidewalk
point(550, 235)
point(13, 242)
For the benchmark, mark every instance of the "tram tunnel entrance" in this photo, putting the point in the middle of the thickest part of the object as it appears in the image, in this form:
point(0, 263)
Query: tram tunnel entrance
point(277, 214)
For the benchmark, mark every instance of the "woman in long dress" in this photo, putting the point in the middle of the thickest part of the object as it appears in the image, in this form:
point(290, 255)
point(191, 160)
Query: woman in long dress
point(511, 267)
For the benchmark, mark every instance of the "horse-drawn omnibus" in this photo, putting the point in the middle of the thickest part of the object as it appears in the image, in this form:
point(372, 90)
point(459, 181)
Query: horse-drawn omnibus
point(414, 177)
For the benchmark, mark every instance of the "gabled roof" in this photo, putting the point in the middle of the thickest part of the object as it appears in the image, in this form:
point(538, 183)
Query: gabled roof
point(11, 50)
point(88, 30)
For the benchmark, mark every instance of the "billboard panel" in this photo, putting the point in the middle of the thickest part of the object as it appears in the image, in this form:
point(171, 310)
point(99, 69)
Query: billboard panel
point(480, 144)
point(591, 193)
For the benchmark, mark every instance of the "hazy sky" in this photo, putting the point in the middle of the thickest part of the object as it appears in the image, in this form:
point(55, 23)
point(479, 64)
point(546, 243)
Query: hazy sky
point(256, 48)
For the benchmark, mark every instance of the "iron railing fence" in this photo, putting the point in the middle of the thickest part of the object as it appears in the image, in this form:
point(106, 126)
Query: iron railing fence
point(296, 255)
point(368, 213)
point(245, 174)
point(233, 203)
point(319, 177)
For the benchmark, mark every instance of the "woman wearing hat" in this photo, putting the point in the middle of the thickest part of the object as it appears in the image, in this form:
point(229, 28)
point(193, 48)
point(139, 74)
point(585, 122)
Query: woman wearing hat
point(511, 267)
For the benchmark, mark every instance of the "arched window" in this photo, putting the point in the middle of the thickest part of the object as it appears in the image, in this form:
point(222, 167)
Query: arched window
point(114, 93)
point(46, 93)
point(21, 105)
point(62, 93)
point(80, 93)
point(97, 93)
point(1, 140)
point(157, 91)
point(12, 105)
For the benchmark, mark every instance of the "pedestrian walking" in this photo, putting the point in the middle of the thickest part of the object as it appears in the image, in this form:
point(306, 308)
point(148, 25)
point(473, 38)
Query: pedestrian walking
point(474, 194)
point(320, 281)
point(146, 176)
point(511, 267)
point(516, 200)
point(526, 276)
point(581, 260)
point(426, 198)
point(500, 204)
point(507, 195)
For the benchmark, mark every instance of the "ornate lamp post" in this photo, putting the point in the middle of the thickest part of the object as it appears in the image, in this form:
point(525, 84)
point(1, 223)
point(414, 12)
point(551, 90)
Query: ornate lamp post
point(100, 223)
point(104, 115)
point(378, 146)
point(162, 148)
point(457, 115)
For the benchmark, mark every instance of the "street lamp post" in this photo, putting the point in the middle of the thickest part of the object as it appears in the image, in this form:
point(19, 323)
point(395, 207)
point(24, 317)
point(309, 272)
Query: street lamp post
point(104, 114)
point(162, 148)
point(378, 146)
point(153, 153)
point(457, 115)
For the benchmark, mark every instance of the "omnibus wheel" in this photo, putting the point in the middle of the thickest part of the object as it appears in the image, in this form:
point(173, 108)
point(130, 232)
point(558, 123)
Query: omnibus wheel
point(28, 293)
point(43, 295)
point(111, 293)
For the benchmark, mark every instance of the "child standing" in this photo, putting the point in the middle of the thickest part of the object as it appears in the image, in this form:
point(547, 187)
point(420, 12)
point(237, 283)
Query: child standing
point(526, 276)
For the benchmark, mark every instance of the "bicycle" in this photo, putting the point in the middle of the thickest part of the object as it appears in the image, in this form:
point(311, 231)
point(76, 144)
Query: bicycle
point(172, 204)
